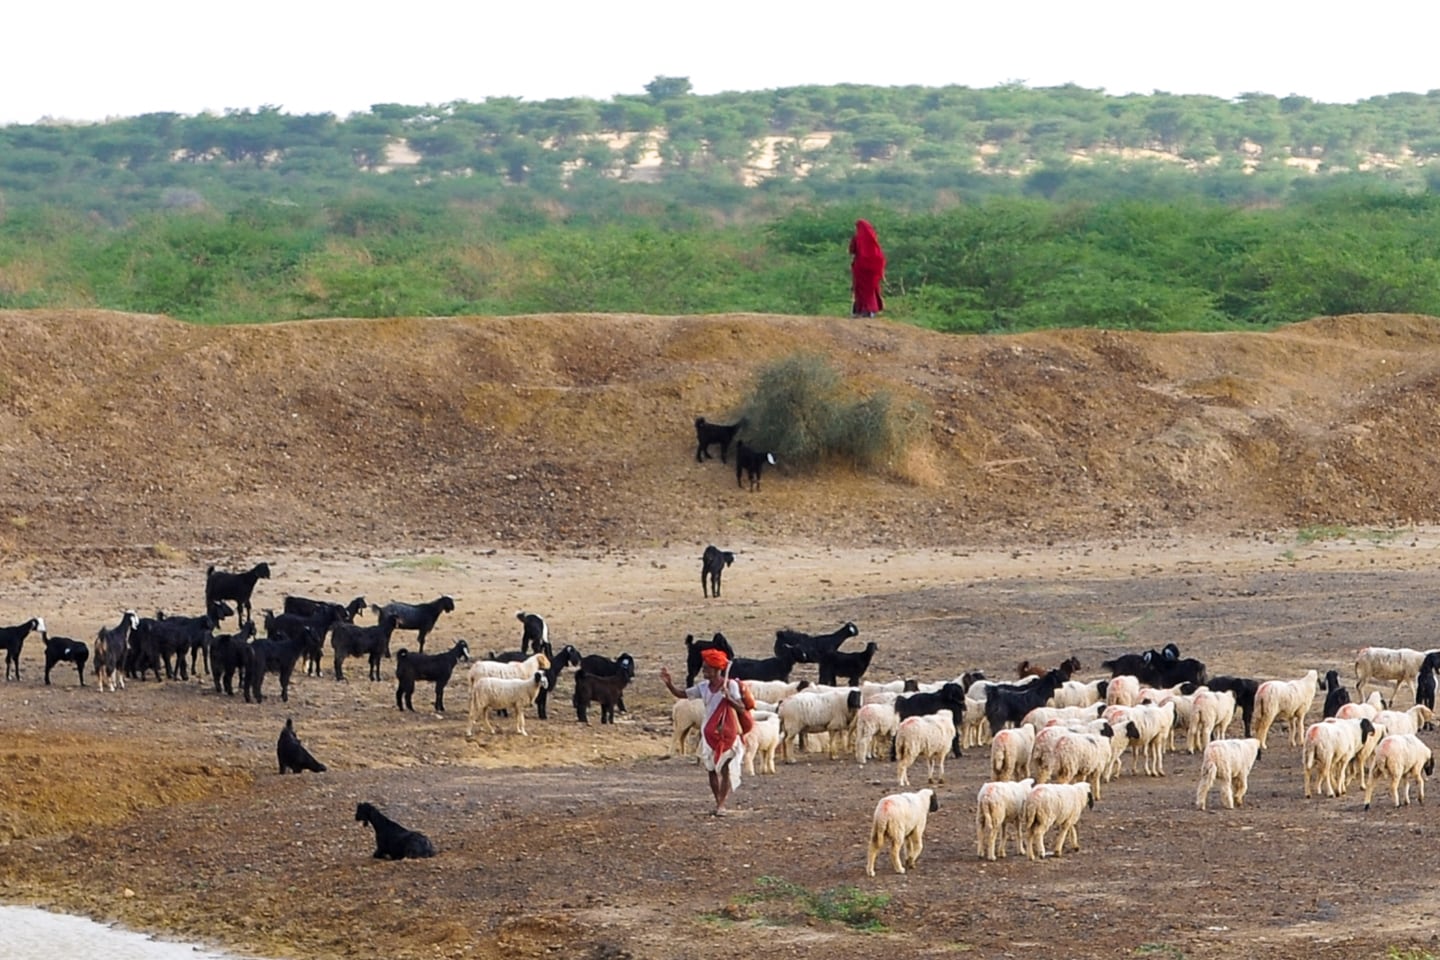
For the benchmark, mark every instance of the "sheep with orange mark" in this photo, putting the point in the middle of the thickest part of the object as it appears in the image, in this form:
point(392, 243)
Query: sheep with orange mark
point(1400, 757)
point(1287, 700)
point(929, 738)
point(899, 822)
point(997, 812)
point(1213, 712)
point(1330, 746)
point(1230, 762)
point(1010, 752)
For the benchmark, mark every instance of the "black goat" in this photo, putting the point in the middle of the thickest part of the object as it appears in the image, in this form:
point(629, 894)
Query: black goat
point(437, 667)
point(712, 564)
point(693, 649)
point(949, 697)
point(608, 691)
point(771, 668)
point(1425, 680)
point(322, 611)
point(1244, 690)
point(1336, 696)
point(352, 640)
point(65, 650)
point(534, 633)
point(846, 663)
point(220, 585)
point(812, 647)
point(750, 463)
point(1007, 703)
point(230, 654)
point(292, 754)
point(200, 653)
point(708, 434)
point(419, 617)
point(567, 657)
point(1069, 666)
point(12, 639)
point(280, 654)
point(290, 626)
point(110, 646)
point(164, 638)
point(392, 841)
point(595, 665)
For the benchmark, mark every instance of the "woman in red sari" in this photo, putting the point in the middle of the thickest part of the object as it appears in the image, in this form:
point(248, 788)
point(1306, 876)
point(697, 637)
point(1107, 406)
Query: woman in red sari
point(867, 270)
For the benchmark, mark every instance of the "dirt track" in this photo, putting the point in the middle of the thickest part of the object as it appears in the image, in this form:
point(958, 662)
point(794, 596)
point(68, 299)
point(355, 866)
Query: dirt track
point(586, 841)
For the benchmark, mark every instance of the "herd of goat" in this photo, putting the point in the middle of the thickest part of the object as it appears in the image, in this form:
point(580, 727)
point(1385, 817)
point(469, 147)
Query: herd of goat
point(1054, 739)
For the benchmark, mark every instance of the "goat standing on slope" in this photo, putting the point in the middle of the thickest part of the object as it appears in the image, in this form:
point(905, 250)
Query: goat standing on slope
point(712, 564)
point(709, 434)
point(750, 463)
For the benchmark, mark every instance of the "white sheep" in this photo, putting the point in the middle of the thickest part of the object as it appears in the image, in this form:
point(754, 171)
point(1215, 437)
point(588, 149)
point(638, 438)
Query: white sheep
point(1042, 716)
point(1053, 805)
point(1369, 709)
point(1402, 756)
point(1124, 690)
point(503, 693)
point(515, 670)
point(686, 717)
point(1287, 700)
point(1214, 709)
point(872, 691)
point(1070, 756)
point(762, 741)
point(1400, 664)
point(773, 691)
point(1010, 752)
point(899, 821)
point(930, 737)
point(874, 722)
point(1330, 746)
point(830, 711)
point(976, 729)
point(1074, 693)
point(997, 807)
point(1405, 721)
point(1229, 761)
point(1149, 728)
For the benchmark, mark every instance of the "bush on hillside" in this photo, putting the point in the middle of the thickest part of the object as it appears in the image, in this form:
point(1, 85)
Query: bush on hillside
point(802, 410)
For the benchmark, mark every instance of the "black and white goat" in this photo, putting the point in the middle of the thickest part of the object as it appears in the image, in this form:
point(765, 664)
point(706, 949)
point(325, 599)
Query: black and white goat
point(419, 617)
point(65, 650)
point(534, 633)
point(709, 434)
point(437, 667)
point(292, 754)
point(392, 841)
point(12, 639)
point(238, 587)
point(750, 463)
point(110, 646)
point(712, 564)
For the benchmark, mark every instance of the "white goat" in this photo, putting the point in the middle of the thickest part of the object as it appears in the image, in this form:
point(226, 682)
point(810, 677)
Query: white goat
point(1399, 757)
point(998, 806)
point(503, 693)
point(1053, 804)
point(1287, 700)
point(1229, 761)
point(899, 821)
point(930, 737)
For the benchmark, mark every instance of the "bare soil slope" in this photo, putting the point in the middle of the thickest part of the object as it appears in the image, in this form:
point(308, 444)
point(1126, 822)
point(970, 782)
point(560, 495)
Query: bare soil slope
point(1082, 492)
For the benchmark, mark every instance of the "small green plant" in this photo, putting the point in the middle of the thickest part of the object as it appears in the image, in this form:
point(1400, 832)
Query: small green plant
point(851, 906)
point(1324, 531)
point(431, 563)
point(1159, 950)
point(1408, 953)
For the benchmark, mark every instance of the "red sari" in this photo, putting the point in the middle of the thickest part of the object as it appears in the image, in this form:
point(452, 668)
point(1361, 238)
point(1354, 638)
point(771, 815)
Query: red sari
point(867, 270)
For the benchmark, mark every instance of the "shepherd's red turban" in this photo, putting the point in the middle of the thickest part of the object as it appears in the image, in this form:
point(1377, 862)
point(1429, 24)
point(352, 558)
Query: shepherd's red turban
point(715, 658)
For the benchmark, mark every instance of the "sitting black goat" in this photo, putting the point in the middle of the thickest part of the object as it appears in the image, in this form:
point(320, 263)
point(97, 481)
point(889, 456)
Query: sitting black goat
point(708, 434)
point(437, 667)
point(65, 650)
point(712, 564)
point(392, 841)
point(292, 754)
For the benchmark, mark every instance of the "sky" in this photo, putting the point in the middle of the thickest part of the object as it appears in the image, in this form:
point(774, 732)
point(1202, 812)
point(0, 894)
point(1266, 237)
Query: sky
point(83, 60)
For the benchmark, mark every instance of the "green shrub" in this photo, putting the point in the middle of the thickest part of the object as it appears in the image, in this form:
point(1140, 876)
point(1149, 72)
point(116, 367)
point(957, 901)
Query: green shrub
point(805, 413)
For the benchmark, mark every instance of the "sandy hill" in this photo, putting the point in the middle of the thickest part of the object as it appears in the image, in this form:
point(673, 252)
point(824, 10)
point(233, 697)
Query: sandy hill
point(127, 435)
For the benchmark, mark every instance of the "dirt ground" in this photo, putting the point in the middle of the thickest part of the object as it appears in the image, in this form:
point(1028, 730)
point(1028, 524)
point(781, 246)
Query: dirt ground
point(1265, 501)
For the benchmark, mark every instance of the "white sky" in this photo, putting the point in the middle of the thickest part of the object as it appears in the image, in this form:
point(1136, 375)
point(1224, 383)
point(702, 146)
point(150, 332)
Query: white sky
point(87, 60)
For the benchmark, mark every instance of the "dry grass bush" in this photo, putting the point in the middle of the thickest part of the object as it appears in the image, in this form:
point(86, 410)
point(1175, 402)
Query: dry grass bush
point(802, 410)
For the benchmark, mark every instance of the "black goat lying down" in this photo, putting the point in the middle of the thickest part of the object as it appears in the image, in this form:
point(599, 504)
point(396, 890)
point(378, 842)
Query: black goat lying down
point(712, 564)
point(392, 841)
point(437, 667)
point(708, 434)
point(65, 650)
point(292, 754)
